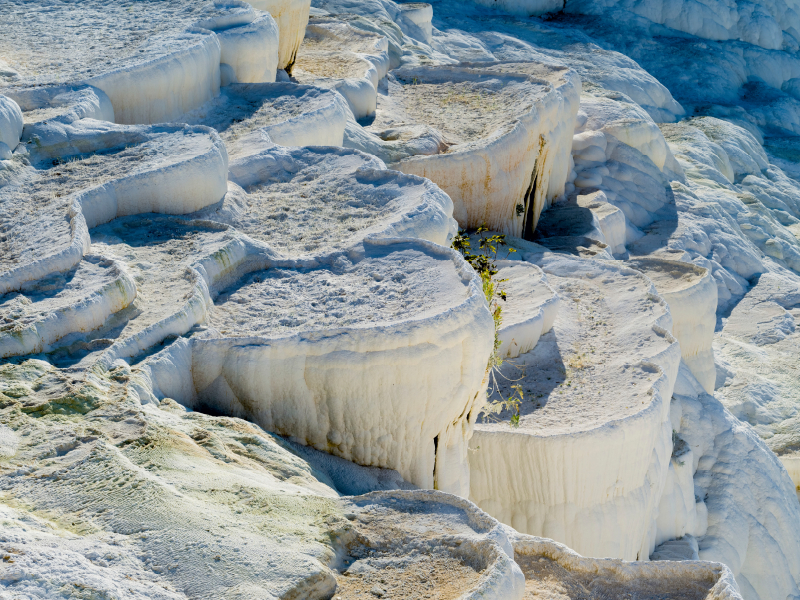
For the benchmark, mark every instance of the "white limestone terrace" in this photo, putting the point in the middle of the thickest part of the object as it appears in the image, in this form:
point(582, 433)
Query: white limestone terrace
point(154, 60)
point(466, 32)
point(691, 294)
point(504, 132)
point(65, 41)
point(620, 152)
point(415, 544)
point(222, 493)
point(529, 310)
point(229, 506)
point(328, 38)
point(756, 349)
point(609, 220)
point(106, 171)
point(416, 20)
point(314, 200)
point(554, 571)
point(332, 352)
point(101, 442)
point(465, 109)
point(11, 124)
point(350, 60)
point(744, 522)
point(65, 104)
point(602, 378)
point(689, 290)
point(383, 287)
point(174, 262)
point(80, 300)
point(160, 253)
point(771, 25)
point(253, 117)
point(292, 18)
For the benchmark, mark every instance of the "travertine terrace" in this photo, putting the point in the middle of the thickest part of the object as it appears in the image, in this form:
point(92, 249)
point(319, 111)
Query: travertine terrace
point(356, 299)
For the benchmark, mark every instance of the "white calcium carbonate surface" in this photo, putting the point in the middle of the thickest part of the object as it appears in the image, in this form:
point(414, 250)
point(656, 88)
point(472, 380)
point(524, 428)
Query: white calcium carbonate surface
point(642, 159)
point(169, 61)
point(253, 117)
point(10, 123)
point(691, 295)
point(166, 169)
point(601, 378)
point(530, 307)
point(75, 302)
point(347, 195)
point(292, 18)
point(504, 130)
point(366, 321)
point(348, 60)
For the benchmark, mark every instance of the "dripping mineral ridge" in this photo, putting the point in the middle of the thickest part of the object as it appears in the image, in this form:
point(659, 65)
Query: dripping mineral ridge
point(245, 352)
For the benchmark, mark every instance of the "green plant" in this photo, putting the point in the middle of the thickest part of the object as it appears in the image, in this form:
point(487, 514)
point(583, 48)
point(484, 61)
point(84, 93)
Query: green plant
point(512, 404)
point(485, 266)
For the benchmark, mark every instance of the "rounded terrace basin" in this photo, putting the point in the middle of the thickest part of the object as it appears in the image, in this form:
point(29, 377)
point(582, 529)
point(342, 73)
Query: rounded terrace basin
point(252, 117)
point(344, 354)
point(155, 60)
point(603, 377)
point(303, 201)
point(691, 293)
point(506, 136)
point(76, 302)
point(349, 60)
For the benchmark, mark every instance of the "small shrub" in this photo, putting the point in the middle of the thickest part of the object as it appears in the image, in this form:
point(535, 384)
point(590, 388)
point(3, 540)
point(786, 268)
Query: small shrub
point(484, 264)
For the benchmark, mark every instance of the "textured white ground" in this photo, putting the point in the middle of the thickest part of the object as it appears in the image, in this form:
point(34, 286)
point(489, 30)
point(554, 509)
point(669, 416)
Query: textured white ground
point(350, 60)
point(346, 195)
point(232, 512)
point(89, 40)
point(386, 286)
point(251, 117)
point(362, 344)
point(48, 203)
point(36, 203)
point(530, 307)
point(464, 109)
point(158, 252)
point(154, 60)
point(642, 155)
point(75, 302)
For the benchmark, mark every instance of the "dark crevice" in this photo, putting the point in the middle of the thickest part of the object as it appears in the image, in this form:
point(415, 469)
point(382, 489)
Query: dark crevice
point(530, 196)
point(435, 451)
